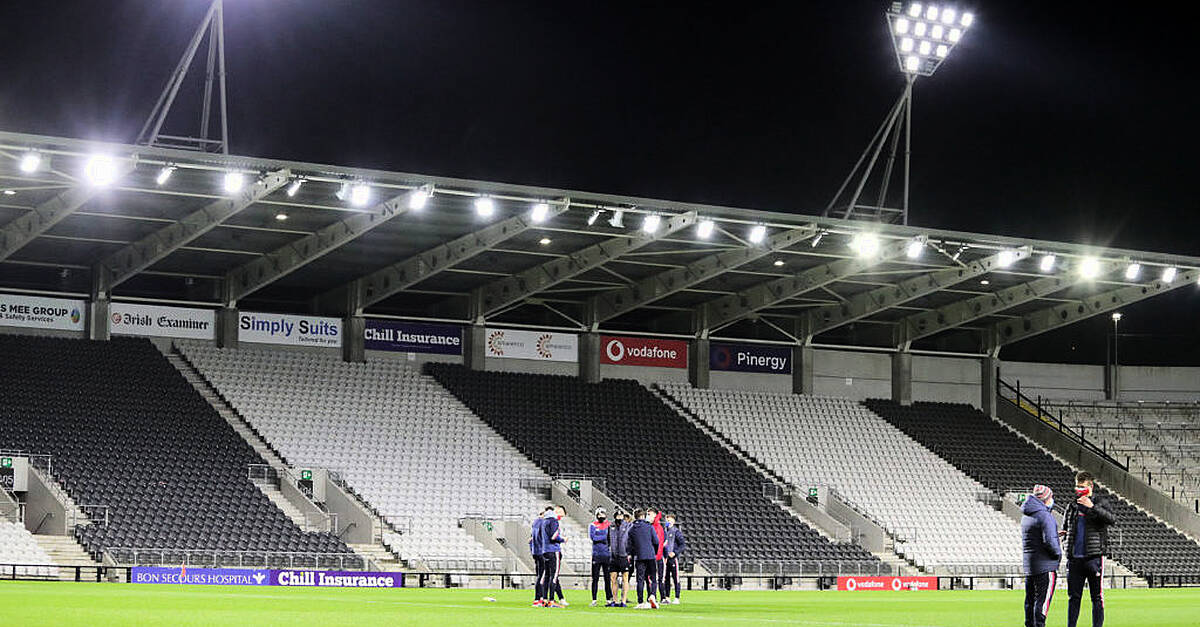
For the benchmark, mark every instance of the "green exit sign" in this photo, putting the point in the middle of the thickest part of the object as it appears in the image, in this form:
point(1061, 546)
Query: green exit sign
point(812, 492)
point(306, 475)
point(5, 462)
point(575, 484)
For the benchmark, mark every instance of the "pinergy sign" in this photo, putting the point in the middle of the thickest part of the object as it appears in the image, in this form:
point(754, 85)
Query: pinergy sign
point(643, 351)
point(751, 358)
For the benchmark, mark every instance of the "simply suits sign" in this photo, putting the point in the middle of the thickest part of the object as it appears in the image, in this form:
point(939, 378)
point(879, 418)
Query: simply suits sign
point(540, 345)
point(750, 358)
point(643, 351)
point(413, 337)
point(131, 319)
point(291, 330)
point(40, 312)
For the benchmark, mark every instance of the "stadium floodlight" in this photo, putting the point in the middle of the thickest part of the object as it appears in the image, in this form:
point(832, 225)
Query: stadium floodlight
point(1089, 268)
point(758, 234)
point(1132, 271)
point(932, 22)
point(30, 162)
point(1117, 316)
point(907, 44)
point(100, 170)
point(233, 182)
point(955, 35)
point(704, 229)
point(164, 175)
point(1006, 258)
point(650, 223)
point(865, 244)
point(942, 51)
point(539, 212)
point(931, 13)
point(937, 32)
point(913, 62)
point(926, 48)
point(914, 249)
point(1168, 274)
point(617, 219)
point(967, 20)
point(919, 29)
point(1047, 263)
point(485, 206)
point(901, 26)
point(592, 218)
point(419, 197)
point(914, 9)
point(948, 16)
point(360, 194)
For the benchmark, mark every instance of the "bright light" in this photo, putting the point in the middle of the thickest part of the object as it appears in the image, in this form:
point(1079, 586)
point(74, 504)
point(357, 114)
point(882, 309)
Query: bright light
point(294, 187)
point(1047, 263)
point(100, 170)
point(418, 198)
point(650, 223)
point(758, 234)
point(942, 51)
point(1117, 316)
point(926, 48)
point(955, 35)
point(545, 241)
point(901, 26)
point(914, 9)
point(1132, 271)
point(906, 44)
point(914, 249)
point(30, 162)
point(10, 192)
point(778, 263)
point(1168, 275)
point(281, 216)
point(539, 212)
point(919, 29)
point(360, 194)
point(485, 206)
point(865, 244)
point(931, 13)
point(937, 32)
point(592, 218)
point(1089, 268)
point(912, 63)
point(164, 174)
point(818, 238)
point(234, 182)
point(985, 282)
point(1006, 258)
point(705, 229)
point(617, 219)
point(967, 20)
point(948, 16)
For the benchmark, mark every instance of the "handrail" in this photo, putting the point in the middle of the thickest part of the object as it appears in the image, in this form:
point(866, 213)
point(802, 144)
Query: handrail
point(142, 555)
point(1034, 408)
point(45, 517)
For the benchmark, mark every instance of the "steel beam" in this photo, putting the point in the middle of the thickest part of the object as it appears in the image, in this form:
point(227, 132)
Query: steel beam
point(516, 288)
point(1051, 318)
point(611, 304)
point(132, 259)
point(917, 326)
point(253, 276)
point(727, 309)
point(19, 232)
point(873, 301)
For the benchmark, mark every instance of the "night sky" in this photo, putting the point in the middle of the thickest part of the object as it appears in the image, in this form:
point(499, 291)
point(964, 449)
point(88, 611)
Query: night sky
point(1068, 121)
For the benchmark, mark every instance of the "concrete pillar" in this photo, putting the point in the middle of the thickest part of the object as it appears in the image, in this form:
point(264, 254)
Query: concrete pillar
point(1112, 382)
point(589, 357)
point(698, 355)
point(902, 377)
point(475, 348)
point(353, 343)
point(989, 371)
point(97, 319)
point(802, 369)
point(227, 327)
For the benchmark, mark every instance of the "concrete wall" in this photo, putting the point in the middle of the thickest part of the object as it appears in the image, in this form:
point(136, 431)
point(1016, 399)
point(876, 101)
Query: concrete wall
point(946, 379)
point(349, 510)
point(39, 501)
point(1157, 383)
point(1063, 381)
point(644, 374)
point(721, 380)
point(853, 375)
point(415, 359)
point(532, 366)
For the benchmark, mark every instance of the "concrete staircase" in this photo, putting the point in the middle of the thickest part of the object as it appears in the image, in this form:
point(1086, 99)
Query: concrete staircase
point(895, 562)
point(379, 556)
point(65, 551)
point(275, 496)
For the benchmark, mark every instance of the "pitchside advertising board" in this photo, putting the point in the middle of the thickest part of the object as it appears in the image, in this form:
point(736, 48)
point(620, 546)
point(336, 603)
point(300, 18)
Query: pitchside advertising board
point(539, 345)
point(643, 351)
point(40, 312)
point(263, 577)
point(266, 328)
point(865, 584)
point(413, 337)
point(181, 322)
point(750, 358)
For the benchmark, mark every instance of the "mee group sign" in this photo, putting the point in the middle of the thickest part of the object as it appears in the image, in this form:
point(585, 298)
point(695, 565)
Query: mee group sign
point(264, 577)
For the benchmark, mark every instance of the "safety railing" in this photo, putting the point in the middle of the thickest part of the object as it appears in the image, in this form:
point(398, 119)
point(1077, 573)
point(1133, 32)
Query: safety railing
point(797, 568)
point(264, 473)
point(88, 515)
point(233, 559)
point(1013, 395)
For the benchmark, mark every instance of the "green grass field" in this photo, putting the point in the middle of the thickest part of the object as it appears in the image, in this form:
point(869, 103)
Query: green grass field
point(53, 603)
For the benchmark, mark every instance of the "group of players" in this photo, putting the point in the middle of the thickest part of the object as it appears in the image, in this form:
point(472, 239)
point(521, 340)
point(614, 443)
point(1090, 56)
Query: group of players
point(647, 544)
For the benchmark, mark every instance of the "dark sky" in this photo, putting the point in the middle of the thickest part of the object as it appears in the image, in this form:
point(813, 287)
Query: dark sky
point(1055, 120)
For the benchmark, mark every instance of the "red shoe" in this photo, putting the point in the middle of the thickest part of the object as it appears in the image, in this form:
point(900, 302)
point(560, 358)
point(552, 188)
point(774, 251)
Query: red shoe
point(537, 603)
point(653, 603)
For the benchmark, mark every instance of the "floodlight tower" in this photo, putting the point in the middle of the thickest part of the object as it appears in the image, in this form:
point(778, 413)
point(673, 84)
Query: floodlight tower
point(923, 36)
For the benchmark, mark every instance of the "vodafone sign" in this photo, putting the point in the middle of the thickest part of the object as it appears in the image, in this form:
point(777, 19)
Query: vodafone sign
point(643, 351)
point(863, 584)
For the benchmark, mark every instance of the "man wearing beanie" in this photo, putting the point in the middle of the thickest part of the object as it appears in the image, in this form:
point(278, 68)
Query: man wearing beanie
point(1041, 554)
point(601, 555)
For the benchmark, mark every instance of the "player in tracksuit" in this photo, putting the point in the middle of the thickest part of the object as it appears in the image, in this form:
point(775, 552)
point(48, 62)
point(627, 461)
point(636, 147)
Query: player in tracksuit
point(1041, 554)
point(1087, 521)
point(599, 532)
point(659, 564)
point(643, 546)
point(618, 535)
point(673, 546)
point(552, 540)
point(536, 549)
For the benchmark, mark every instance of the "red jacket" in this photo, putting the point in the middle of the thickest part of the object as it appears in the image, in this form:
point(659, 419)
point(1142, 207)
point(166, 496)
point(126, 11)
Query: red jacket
point(658, 530)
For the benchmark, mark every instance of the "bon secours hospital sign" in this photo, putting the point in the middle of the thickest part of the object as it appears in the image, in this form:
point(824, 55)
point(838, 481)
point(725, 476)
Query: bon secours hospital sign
point(264, 577)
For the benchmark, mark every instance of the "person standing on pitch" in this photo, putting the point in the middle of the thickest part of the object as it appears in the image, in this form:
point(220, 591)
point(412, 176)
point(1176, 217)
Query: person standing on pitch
point(539, 564)
point(643, 545)
point(552, 540)
point(1087, 521)
point(673, 547)
point(661, 534)
point(1041, 554)
point(600, 534)
point(618, 536)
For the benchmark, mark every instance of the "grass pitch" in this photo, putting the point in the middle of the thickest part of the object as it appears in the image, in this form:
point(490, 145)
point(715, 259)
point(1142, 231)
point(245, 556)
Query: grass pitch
point(56, 603)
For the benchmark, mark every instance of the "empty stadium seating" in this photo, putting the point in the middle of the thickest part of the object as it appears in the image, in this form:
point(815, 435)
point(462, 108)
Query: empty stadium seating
point(17, 546)
point(836, 442)
point(649, 456)
point(126, 431)
point(407, 446)
point(1003, 461)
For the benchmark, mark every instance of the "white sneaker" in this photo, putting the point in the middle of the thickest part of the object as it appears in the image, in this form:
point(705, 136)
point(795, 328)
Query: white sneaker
point(666, 601)
point(564, 603)
point(592, 604)
point(653, 603)
point(642, 606)
point(675, 601)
